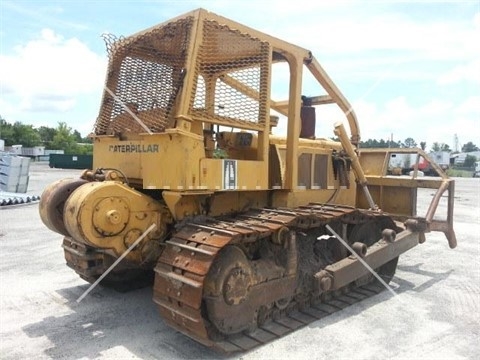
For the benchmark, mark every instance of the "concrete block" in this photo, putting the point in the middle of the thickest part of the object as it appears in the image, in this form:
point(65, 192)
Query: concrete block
point(9, 187)
point(11, 161)
point(22, 188)
point(9, 180)
point(11, 171)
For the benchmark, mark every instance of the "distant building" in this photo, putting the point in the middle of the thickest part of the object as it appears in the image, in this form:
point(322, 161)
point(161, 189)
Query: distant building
point(459, 158)
point(38, 153)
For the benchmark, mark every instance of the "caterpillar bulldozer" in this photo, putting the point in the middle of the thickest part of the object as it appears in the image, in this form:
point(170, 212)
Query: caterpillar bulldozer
point(248, 235)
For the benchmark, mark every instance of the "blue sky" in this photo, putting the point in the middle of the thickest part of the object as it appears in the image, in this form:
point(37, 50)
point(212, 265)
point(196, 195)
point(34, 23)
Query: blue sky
point(409, 68)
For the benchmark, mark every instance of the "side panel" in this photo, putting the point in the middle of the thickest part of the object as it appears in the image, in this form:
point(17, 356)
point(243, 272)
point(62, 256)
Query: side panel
point(315, 181)
point(229, 174)
point(160, 161)
point(394, 199)
point(111, 152)
point(175, 166)
point(396, 194)
point(373, 163)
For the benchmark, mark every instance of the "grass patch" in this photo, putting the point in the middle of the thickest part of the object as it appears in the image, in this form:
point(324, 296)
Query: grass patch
point(459, 173)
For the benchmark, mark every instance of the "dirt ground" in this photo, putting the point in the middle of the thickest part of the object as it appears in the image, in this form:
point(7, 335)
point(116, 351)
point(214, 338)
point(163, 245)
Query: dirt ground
point(434, 316)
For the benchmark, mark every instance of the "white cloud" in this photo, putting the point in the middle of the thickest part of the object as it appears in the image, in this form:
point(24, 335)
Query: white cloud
point(47, 103)
point(476, 20)
point(370, 42)
point(469, 72)
point(47, 73)
point(386, 31)
point(435, 107)
point(471, 105)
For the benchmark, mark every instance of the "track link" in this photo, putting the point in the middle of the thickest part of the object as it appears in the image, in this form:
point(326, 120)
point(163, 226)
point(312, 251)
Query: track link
point(295, 318)
point(183, 267)
point(90, 263)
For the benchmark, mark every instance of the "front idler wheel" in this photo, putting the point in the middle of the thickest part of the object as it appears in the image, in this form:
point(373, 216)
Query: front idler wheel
point(227, 292)
point(53, 201)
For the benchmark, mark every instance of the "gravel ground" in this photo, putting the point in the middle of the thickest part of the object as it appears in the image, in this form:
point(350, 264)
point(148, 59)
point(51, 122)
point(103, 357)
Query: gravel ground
point(434, 316)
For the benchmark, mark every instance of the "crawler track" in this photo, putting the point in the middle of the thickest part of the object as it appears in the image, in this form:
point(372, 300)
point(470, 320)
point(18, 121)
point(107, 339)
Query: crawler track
point(182, 283)
point(90, 263)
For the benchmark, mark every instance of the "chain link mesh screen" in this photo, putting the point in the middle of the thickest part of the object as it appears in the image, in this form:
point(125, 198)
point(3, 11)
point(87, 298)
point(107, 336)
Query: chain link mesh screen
point(145, 74)
point(231, 77)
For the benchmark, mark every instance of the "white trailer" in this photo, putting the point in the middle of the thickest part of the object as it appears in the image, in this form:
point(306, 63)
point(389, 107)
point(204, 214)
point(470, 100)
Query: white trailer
point(442, 158)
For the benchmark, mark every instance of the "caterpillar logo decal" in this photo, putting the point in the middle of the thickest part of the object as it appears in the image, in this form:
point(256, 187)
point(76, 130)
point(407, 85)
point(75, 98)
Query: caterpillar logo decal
point(134, 148)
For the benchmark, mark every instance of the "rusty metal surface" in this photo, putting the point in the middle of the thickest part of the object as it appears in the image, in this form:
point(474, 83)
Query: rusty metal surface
point(53, 202)
point(349, 269)
point(226, 300)
point(90, 263)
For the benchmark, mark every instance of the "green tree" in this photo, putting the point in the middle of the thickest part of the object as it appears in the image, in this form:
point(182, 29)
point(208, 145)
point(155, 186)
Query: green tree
point(87, 140)
point(441, 147)
point(46, 135)
point(77, 136)
point(469, 147)
point(423, 145)
point(19, 134)
point(394, 144)
point(61, 138)
point(6, 132)
point(84, 149)
point(64, 139)
point(370, 143)
point(373, 143)
point(446, 147)
point(25, 135)
point(469, 161)
point(410, 143)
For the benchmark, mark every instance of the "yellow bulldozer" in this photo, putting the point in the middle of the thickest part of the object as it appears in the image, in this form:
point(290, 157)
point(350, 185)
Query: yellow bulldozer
point(248, 235)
